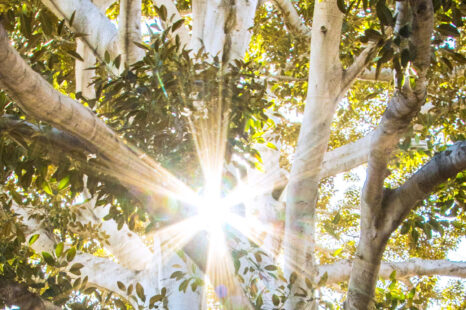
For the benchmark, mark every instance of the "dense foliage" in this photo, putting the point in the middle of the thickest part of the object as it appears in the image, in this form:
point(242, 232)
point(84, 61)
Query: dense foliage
point(265, 94)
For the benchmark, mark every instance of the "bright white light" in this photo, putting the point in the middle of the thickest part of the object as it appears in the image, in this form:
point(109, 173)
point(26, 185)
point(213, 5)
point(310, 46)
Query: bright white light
point(213, 213)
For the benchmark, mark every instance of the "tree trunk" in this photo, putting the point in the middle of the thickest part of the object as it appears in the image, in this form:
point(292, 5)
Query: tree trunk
point(325, 77)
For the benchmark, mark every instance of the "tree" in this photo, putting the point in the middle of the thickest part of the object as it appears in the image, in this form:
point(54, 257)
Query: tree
point(120, 154)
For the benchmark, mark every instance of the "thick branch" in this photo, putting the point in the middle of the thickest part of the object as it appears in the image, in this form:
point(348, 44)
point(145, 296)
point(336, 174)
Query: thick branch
point(402, 200)
point(401, 109)
point(369, 74)
point(292, 19)
point(346, 157)
point(358, 66)
point(38, 99)
point(222, 28)
point(16, 294)
point(83, 75)
point(313, 138)
point(340, 271)
point(129, 29)
point(125, 245)
point(20, 129)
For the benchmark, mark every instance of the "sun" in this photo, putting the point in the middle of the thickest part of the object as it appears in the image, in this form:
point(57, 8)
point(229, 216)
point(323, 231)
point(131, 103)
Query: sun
point(212, 212)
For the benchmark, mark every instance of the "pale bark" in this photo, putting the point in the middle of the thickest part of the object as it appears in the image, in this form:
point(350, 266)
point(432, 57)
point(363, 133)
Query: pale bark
point(313, 138)
point(129, 28)
point(39, 100)
point(340, 271)
point(222, 29)
point(293, 21)
point(83, 76)
point(88, 18)
point(346, 157)
point(127, 247)
point(401, 109)
point(370, 74)
point(104, 273)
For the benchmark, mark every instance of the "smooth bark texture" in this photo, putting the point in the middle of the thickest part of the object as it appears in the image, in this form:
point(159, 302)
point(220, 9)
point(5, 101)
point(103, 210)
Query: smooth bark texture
point(38, 99)
point(370, 74)
point(346, 157)
point(83, 75)
point(313, 138)
point(292, 19)
point(222, 28)
point(340, 271)
point(129, 31)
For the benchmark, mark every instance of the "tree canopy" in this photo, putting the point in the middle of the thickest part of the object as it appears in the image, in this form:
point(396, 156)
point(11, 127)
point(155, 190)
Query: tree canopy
point(236, 154)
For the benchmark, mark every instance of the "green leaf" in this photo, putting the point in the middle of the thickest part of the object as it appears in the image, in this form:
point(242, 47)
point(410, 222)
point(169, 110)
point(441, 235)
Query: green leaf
point(259, 302)
point(162, 12)
point(120, 304)
point(373, 35)
point(140, 292)
point(74, 55)
point(341, 6)
point(70, 254)
point(75, 268)
point(117, 61)
point(107, 57)
point(448, 30)
point(384, 14)
point(293, 277)
point(177, 275)
point(405, 56)
point(323, 280)
point(33, 238)
point(64, 183)
point(60, 26)
point(405, 228)
point(46, 187)
point(72, 18)
point(183, 285)
point(121, 286)
point(48, 258)
point(154, 299)
point(308, 283)
point(405, 31)
point(59, 249)
point(141, 45)
point(275, 300)
point(271, 268)
point(177, 24)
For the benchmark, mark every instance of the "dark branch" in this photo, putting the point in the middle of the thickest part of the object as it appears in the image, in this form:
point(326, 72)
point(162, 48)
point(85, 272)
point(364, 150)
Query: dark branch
point(443, 166)
point(52, 137)
point(17, 294)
